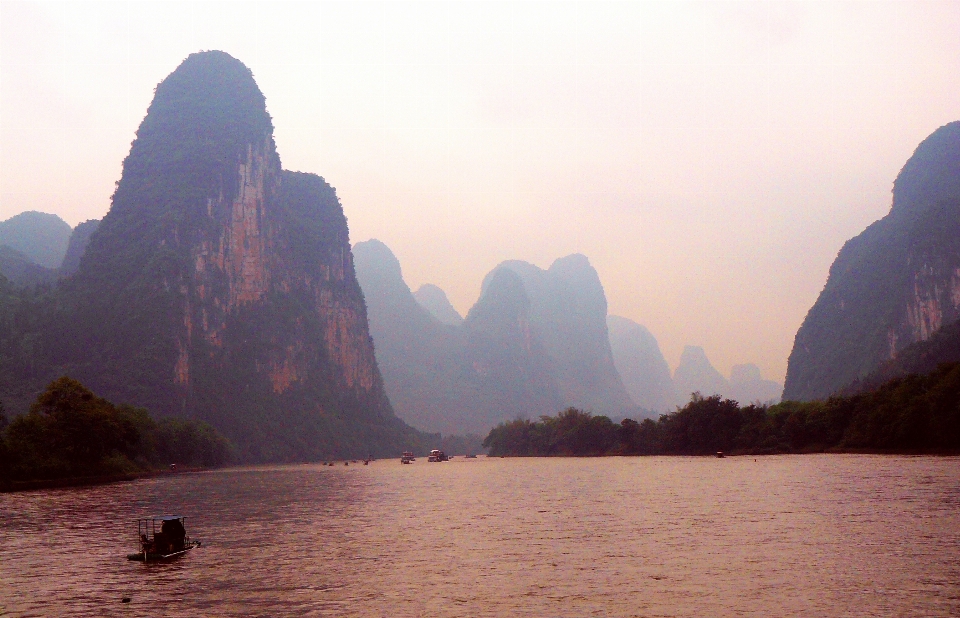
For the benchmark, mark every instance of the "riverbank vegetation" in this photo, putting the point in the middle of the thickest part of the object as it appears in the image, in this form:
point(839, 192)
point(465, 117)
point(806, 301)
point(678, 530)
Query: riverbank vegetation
point(69, 432)
point(912, 414)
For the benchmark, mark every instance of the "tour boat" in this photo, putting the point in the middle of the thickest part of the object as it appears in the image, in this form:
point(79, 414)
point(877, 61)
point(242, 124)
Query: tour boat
point(407, 457)
point(437, 455)
point(169, 541)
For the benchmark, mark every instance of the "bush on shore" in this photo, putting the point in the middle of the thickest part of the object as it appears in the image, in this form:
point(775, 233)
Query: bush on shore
point(70, 432)
point(912, 414)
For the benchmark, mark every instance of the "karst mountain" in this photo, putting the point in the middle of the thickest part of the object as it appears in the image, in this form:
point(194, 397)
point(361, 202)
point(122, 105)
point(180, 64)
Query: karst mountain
point(894, 285)
point(220, 286)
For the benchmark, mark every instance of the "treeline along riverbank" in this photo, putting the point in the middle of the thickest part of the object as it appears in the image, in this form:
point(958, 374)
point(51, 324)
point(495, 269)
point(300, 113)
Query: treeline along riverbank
point(70, 435)
point(912, 414)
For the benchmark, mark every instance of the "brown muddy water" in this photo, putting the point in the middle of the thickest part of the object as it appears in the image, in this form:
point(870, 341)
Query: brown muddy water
point(809, 535)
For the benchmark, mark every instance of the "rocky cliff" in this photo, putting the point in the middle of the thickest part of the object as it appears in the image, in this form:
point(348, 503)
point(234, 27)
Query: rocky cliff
point(641, 365)
point(895, 284)
point(222, 287)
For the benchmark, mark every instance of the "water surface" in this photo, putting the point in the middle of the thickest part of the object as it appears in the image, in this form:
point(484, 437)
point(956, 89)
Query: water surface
point(810, 535)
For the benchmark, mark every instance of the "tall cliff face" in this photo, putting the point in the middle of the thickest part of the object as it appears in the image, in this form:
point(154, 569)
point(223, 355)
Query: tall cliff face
point(568, 311)
point(641, 365)
point(895, 284)
point(220, 286)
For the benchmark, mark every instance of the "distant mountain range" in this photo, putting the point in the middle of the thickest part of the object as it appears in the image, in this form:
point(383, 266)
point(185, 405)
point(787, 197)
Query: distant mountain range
point(895, 284)
point(535, 342)
point(37, 247)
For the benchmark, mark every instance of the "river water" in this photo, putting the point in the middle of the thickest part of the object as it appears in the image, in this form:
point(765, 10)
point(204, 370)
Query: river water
point(809, 535)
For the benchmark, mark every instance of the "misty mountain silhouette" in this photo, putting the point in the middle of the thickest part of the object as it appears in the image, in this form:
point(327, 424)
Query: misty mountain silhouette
point(641, 366)
point(695, 373)
point(454, 378)
point(41, 237)
point(568, 312)
point(435, 300)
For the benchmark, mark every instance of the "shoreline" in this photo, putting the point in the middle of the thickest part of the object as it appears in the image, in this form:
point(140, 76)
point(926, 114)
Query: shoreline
point(88, 481)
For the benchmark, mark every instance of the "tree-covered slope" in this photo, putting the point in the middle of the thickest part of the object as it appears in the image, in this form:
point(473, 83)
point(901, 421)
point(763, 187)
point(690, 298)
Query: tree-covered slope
point(18, 268)
point(79, 240)
point(896, 283)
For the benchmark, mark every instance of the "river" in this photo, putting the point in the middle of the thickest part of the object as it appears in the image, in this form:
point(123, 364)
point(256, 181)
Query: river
point(806, 535)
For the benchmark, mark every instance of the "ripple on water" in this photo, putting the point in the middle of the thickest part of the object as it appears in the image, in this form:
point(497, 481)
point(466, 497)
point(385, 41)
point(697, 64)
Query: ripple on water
point(830, 535)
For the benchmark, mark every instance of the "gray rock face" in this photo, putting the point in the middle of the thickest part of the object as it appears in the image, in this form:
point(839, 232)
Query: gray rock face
point(79, 240)
point(435, 301)
point(748, 386)
point(696, 374)
point(641, 365)
point(40, 236)
point(895, 284)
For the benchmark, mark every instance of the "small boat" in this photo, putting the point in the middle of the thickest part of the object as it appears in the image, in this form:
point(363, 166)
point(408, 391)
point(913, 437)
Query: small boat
point(407, 457)
point(170, 541)
point(437, 455)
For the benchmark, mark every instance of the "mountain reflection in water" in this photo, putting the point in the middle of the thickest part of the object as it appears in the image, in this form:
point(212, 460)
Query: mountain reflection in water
point(810, 535)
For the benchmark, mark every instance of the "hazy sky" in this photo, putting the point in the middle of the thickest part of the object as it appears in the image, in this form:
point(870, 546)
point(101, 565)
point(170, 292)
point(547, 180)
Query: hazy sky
point(710, 158)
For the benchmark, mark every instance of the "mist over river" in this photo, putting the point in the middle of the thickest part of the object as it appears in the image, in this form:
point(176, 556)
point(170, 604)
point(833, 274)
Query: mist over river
point(807, 535)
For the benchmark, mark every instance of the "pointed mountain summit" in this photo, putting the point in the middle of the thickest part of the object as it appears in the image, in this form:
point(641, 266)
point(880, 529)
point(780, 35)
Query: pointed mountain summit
point(748, 386)
point(435, 300)
point(895, 284)
point(695, 373)
point(221, 287)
